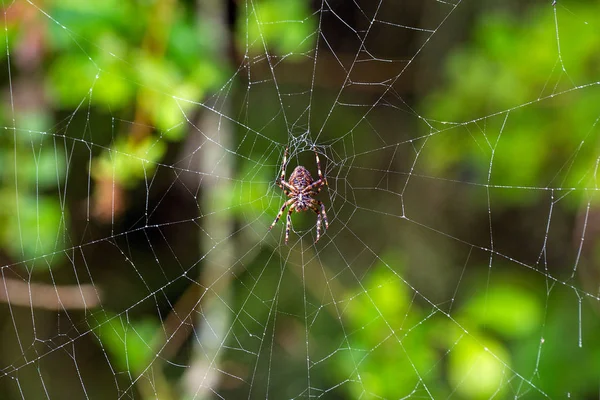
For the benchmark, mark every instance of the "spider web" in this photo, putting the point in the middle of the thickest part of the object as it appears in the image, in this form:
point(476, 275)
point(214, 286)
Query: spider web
point(458, 263)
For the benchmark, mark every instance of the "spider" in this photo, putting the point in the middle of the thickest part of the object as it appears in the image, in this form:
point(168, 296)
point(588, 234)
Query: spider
point(301, 188)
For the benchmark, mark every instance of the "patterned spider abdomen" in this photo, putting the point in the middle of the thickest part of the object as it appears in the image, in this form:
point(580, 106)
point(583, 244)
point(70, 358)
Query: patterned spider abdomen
point(300, 179)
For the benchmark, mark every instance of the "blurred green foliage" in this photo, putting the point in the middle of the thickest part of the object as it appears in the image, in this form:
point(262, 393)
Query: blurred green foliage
point(285, 27)
point(512, 66)
point(131, 162)
point(473, 341)
point(129, 343)
point(531, 134)
point(32, 222)
point(132, 61)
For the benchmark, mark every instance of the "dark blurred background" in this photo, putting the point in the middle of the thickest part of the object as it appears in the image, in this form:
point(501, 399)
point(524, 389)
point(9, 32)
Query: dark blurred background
point(142, 143)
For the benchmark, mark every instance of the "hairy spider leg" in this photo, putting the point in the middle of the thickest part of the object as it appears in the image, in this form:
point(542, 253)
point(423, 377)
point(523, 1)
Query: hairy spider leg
point(319, 208)
point(287, 203)
point(288, 223)
point(322, 206)
point(319, 183)
point(287, 185)
point(284, 189)
point(315, 186)
point(321, 177)
point(318, 226)
point(285, 154)
point(282, 183)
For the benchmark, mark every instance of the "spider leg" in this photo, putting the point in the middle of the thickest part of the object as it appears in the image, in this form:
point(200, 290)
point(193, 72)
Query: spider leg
point(322, 206)
point(315, 186)
point(321, 177)
point(285, 191)
point(283, 165)
point(319, 208)
point(284, 185)
point(287, 203)
point(288, 223)
point(318, 226)
point(281, 181)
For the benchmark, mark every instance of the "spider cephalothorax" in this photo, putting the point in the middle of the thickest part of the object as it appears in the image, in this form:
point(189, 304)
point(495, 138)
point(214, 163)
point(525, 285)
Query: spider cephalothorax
point(300, 189)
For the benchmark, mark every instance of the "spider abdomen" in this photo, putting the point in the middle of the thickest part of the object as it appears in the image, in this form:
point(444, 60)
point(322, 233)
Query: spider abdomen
point(300, 178)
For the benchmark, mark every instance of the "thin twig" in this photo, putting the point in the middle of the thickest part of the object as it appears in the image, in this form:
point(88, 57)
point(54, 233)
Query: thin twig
point(49, 297)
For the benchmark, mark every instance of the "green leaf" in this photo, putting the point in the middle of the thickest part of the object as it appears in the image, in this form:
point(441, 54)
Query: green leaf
point(129, 161)
point(128, 342)
point(285, 26)
point(477, 367)
point(38, 220)
point(508, 309)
